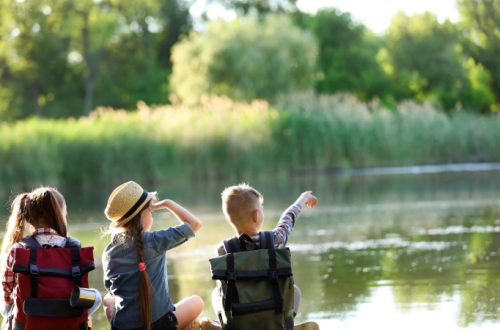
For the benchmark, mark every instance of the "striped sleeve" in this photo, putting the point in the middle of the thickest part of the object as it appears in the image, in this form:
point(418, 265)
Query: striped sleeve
point(285, 225)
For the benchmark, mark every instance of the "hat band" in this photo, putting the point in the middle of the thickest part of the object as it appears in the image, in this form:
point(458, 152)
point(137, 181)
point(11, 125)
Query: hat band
point(136, 205)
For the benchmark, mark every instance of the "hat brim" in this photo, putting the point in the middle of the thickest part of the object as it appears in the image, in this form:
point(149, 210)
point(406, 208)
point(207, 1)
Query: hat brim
point(122, 222)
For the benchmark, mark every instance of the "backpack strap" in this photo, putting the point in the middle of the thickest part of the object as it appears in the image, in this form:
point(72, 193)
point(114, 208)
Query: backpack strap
point(34, 272)
point(231, 292)
point(267, 242)
point(273, 278)
point(266, 239)
point(72, 243)
point(76, 271)
point(232, 245)
point(31, 242)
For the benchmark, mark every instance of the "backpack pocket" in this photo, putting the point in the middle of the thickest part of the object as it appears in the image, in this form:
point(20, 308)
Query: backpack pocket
point(50, 307)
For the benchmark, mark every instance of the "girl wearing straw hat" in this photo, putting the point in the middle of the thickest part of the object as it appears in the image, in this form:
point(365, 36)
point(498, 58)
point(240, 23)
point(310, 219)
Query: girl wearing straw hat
point(135, 271)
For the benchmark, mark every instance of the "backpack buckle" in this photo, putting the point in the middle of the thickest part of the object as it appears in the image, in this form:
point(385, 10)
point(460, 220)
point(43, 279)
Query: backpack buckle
point(231, 276)
point(34, 270)
point(273, 274)
point(75, 271)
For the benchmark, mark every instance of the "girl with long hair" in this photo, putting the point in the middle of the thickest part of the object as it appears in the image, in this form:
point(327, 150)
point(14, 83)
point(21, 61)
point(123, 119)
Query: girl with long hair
point(135, 270)
point(41, 213)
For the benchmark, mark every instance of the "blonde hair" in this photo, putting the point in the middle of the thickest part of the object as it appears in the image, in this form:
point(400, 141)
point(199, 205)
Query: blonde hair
point(238, 202)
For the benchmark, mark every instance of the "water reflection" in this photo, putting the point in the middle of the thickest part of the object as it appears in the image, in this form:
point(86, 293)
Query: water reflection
point(400, 250)
point(423, 267)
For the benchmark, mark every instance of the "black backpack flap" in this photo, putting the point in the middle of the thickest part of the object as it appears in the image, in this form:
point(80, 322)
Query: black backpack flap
point(252, 264)
point(232, 245)
point(50, 307)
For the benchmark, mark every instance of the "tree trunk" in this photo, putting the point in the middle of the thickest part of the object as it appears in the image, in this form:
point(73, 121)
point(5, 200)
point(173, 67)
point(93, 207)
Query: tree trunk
point(91, 66)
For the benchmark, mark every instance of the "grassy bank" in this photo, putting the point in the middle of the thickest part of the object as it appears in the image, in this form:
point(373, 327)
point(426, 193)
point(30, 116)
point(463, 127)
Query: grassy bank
point(238, 141)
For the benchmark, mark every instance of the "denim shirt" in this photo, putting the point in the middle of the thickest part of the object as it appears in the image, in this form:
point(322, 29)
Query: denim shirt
point(122, 276)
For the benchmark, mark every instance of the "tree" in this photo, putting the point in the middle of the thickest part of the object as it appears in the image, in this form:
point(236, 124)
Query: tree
point(481, 23)
point(347, 54)
point(423, 60)
point(34, 70)
point(244, 59)
point(477, 94)
point(176, 21)
point(62, 58)
point(259, 7)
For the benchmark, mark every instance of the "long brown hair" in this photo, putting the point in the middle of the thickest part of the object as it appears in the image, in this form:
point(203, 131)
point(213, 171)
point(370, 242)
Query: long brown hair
point(134, 230)
point(43, 206)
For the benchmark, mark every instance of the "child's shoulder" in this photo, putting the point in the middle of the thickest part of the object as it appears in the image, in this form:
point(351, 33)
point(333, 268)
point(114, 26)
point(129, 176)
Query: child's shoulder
point(73, 242)
point(221, 250)
point(250, 242)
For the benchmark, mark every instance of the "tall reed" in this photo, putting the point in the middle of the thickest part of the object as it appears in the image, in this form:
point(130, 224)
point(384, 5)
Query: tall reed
point(225, 139)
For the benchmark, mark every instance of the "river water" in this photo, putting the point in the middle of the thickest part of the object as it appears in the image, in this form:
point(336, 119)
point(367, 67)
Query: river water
point(387, 251)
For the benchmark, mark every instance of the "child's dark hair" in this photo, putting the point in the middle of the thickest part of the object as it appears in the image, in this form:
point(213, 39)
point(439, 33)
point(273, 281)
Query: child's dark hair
point(42, 207)
point(134, 229)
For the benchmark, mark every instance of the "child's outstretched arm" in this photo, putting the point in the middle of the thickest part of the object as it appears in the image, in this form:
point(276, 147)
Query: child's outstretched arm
point(287, 219)
point(181, 213)
point(308, 199)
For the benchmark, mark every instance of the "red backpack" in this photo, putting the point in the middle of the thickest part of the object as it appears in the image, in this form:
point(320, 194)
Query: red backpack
point(46, 278)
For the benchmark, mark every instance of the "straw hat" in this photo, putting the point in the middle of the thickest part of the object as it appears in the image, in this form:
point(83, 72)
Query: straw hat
point(125, 202)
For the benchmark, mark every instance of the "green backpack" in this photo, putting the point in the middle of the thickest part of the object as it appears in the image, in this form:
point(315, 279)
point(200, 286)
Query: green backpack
point(255, 286)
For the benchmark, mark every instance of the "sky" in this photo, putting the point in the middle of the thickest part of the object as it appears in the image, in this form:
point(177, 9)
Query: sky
point(375, 14)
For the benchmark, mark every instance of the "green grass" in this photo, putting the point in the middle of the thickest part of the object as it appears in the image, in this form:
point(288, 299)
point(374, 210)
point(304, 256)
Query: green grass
point(224, 139)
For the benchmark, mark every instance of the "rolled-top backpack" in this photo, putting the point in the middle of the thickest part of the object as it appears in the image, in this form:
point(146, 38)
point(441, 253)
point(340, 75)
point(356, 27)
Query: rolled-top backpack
point(255, 286)
point(46, 277)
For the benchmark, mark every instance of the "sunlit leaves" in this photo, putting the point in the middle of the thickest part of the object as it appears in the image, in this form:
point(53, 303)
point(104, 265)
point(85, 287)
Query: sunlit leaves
point(244, 59)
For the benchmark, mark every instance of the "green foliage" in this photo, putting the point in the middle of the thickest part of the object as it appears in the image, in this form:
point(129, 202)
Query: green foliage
point(481, 23)
point(61, 58)
point(238, 141)
point(244, 59)
point(347, 54)
point(34, 70)
point(423, 60)
point(260, 7)
point(478, 93)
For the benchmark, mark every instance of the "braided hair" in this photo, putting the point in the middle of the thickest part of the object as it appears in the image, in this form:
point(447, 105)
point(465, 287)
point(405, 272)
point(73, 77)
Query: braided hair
point(134, 230)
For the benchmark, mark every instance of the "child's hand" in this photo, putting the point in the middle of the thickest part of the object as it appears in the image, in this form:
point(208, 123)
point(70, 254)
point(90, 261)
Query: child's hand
point(157, 205)
point(182, 214)
point(307, 198)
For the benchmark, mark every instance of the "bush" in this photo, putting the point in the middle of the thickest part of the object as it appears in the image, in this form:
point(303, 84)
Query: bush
point(244, 59)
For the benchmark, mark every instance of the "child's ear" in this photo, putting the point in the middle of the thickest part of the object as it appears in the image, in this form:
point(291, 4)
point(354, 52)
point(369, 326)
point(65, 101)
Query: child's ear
point(255, 216)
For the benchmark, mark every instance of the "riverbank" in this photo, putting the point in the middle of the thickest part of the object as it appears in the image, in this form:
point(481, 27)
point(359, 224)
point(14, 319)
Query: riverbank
point(226, 140)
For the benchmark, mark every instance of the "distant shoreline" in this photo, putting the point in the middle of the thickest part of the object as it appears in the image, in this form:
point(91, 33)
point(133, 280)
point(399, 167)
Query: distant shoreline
point(417, 169)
